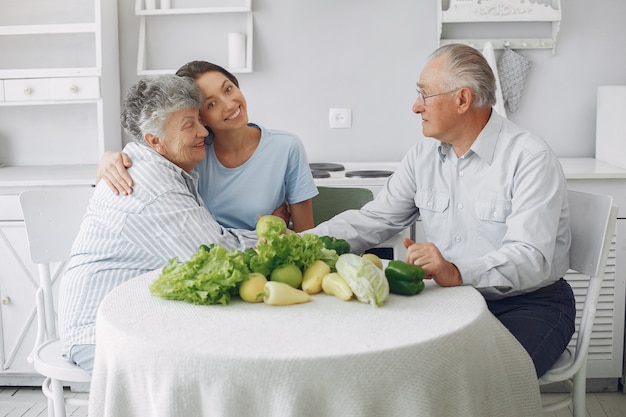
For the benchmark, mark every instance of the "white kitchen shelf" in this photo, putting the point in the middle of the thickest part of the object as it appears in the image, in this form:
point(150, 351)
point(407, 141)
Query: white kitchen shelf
point(69, 60)
point(485, 12)
point(48, 29)
point(145, 14)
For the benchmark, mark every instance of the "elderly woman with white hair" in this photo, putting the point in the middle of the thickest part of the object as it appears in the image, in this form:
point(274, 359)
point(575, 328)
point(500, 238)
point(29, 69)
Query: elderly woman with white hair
point(124, 236)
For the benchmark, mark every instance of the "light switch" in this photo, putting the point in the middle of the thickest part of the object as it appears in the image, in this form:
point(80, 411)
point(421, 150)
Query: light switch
point(340, 118)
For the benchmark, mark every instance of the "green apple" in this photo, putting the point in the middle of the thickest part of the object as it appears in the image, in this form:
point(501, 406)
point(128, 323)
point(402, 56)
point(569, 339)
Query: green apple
point(289, 274)
point(270, 225)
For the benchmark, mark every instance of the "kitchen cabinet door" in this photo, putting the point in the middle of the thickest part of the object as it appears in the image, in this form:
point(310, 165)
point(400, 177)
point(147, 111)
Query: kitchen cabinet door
point(18, 282)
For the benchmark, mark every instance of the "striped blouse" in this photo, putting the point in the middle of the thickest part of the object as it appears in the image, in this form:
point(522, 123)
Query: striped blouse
point(125, 236)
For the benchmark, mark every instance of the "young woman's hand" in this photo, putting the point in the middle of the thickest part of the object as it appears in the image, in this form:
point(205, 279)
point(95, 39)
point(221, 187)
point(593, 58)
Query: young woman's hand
point(112, 169)
point(283, 212)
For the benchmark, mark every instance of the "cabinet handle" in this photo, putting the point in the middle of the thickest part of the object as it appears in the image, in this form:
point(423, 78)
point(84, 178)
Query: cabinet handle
point(28, 90)
point(74, 89)
point(6, 300)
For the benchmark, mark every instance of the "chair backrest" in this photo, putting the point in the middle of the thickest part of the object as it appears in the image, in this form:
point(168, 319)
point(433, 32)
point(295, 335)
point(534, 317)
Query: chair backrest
point(592, 224)
point(334, 200)
point(52, 217)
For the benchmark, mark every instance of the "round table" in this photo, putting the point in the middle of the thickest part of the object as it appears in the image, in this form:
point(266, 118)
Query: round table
point(440, 353)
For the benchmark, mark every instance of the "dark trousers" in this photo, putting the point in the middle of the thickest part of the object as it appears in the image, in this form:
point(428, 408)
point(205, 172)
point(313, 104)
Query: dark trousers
point(542, 321)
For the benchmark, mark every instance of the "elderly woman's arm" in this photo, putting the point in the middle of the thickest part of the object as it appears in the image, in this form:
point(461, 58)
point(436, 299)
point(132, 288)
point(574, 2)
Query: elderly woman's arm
point(175, 225)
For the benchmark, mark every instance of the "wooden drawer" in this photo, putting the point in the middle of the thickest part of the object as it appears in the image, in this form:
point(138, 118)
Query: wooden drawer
point(75, 88)
point(27, 89)
point(10, 208)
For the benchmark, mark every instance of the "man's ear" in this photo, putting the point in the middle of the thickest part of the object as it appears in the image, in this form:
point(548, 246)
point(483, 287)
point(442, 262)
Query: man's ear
point(465, 99)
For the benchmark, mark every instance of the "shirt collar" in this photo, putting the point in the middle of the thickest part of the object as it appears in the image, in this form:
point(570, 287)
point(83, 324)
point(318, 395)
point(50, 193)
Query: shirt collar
point(485, 144)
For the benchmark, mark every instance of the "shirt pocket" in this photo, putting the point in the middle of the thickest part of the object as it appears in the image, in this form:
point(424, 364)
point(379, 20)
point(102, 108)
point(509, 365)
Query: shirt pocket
point(432, 206)
point(493, 210)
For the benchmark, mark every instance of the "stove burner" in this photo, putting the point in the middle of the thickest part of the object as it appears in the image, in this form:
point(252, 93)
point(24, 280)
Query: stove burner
point(323, 166)
point(368, 174)
point(318, 173)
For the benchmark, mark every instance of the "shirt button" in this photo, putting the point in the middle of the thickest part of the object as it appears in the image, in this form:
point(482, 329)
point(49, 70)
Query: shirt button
point(459, 206)
point(461, 173)
point(495, 214)
point(429, 204)
point(457, 238)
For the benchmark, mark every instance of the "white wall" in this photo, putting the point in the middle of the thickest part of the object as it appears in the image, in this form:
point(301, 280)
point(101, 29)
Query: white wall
point(310, 55)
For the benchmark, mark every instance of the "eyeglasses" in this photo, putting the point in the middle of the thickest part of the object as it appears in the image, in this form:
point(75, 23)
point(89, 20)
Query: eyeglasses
point(423, 97)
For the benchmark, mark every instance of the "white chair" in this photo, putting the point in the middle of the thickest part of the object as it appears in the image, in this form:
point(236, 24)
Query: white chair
point(592, 223)
point(52, 217)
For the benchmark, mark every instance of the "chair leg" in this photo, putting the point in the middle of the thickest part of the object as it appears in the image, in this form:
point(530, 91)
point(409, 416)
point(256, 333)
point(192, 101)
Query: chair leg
point(59, 398)
point(50, 407)
point(580, 390)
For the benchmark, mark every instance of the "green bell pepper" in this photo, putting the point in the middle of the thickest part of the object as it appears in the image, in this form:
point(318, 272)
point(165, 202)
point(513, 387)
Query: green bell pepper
point(340, 246)
point(404, 278)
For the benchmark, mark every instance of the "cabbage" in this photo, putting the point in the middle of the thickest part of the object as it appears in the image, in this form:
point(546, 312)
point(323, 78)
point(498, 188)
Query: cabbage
point(366, 280)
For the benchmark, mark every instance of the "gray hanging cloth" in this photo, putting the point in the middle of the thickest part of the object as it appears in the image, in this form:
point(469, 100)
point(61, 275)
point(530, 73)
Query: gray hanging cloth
point(513, 69)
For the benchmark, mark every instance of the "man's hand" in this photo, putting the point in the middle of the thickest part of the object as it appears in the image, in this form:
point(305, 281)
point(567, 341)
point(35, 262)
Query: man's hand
point(434, 265)
point(112, 169)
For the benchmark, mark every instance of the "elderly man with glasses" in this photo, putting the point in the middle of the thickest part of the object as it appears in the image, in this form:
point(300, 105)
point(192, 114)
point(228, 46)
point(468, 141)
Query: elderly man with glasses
point(493, 204)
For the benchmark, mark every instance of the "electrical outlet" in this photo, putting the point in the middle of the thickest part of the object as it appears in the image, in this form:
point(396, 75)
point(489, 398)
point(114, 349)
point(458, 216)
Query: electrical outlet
point(340, 118)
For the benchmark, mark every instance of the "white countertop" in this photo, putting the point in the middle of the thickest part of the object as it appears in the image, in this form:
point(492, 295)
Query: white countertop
point(590, 168)
point(33, 176)
point(48, 175)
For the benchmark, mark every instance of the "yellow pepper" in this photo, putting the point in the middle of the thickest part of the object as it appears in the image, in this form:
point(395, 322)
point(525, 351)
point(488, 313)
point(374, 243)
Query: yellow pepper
point(313, 275)
point(334, 284)
point(278, 293)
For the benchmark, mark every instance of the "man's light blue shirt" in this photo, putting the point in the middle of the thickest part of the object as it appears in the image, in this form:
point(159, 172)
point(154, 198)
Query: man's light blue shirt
point(499, 212)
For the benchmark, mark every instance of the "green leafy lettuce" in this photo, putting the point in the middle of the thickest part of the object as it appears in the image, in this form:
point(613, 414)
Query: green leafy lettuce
point(291, 248)
point(211, 276)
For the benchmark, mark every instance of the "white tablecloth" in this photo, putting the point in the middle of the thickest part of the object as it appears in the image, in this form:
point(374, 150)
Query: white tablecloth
point(440, 353)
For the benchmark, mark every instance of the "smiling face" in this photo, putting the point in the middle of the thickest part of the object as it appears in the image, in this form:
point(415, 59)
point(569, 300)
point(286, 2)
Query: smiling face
point(183, 139)
point(224, 106)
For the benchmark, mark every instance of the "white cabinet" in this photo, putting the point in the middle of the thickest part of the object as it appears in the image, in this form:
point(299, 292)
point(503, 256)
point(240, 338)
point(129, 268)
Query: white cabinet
point(18, 275)
point(208, 24)
point(18, 282)
point(59, 60)
point(59, 110)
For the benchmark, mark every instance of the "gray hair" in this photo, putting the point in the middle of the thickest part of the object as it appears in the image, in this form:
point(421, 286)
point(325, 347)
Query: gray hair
point(465, 66)
point(149, 103)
